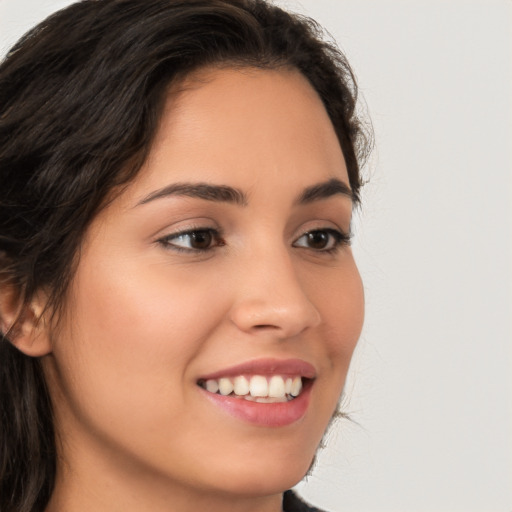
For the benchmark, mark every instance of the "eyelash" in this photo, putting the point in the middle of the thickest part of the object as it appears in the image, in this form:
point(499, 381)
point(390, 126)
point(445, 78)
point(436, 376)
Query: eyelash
point(215, 235)
point(338, 238)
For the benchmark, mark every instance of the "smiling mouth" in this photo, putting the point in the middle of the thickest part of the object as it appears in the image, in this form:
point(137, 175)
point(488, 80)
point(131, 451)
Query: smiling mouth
point(257, 388)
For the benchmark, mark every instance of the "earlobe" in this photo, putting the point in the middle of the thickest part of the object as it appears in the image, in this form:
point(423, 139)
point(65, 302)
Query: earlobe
point(24, 325)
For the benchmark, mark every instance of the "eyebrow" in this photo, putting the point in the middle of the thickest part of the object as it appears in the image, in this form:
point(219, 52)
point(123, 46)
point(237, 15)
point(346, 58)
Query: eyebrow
point(227, 194)
point(325, 190)
point(217, 193)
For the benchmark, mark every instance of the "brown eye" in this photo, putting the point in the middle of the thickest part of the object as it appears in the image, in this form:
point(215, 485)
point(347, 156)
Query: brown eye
point(196, 240)
point(200, 239)
point(322, 240)
point(317, 239)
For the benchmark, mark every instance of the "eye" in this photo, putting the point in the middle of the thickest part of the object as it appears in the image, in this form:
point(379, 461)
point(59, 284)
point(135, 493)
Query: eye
point(194, 240)
point(326, 240)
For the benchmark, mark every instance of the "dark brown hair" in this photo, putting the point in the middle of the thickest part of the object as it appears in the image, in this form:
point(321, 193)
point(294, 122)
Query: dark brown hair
point(80, 100)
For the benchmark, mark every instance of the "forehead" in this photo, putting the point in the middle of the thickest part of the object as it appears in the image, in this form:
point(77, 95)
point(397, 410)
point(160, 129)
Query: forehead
point(243, 127)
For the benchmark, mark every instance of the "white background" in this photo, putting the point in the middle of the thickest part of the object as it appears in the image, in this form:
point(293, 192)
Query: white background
point(431, 384)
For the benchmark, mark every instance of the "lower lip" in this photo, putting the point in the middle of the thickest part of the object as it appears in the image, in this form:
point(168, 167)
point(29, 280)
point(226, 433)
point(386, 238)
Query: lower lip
point(279, 414)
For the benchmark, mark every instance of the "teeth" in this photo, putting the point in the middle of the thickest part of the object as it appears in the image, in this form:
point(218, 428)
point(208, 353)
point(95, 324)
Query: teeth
point(296, 386)
point(257, 388)
point(263, 399)
point(212, 386)
point(276, 387)
point(225, 386)
point(241, 386)
point(268, 400)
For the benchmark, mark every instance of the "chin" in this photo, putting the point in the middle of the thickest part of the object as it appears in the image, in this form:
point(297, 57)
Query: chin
point(271, 472)
point(273, 478)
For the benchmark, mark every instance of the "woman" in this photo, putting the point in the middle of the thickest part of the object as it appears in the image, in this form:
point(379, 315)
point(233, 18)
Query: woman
point(179, 303)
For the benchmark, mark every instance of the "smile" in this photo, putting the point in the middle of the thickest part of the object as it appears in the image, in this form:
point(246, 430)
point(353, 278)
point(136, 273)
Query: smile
point(265, 392)
point(256, 388)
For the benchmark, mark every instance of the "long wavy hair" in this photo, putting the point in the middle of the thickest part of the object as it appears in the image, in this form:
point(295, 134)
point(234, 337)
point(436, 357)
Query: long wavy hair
point(81, 96)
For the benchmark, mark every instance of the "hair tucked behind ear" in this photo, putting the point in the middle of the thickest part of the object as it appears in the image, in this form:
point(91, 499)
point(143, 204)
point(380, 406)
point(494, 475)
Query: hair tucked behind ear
point(80, 100)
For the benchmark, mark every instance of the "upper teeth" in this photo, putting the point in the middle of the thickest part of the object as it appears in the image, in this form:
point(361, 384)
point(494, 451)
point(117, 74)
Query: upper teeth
point(257, 386)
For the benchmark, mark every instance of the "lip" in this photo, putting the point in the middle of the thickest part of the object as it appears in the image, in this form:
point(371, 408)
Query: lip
point(279, 414)
point(284, 367)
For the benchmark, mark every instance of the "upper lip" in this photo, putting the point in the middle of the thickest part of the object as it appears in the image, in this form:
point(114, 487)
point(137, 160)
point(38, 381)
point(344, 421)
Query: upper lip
point(285, 367)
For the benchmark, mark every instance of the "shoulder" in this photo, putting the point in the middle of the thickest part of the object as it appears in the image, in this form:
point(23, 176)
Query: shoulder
point(292, 503)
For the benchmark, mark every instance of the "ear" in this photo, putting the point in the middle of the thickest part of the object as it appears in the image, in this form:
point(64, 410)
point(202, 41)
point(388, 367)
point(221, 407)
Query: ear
point(24, 324)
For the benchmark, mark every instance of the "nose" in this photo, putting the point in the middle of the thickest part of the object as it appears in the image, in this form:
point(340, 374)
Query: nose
point(271, 299)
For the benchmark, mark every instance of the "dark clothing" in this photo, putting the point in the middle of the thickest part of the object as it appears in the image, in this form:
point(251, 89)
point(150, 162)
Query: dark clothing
point(292, 503)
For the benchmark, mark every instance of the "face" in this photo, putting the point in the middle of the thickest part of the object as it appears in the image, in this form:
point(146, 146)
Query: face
point(209, 291)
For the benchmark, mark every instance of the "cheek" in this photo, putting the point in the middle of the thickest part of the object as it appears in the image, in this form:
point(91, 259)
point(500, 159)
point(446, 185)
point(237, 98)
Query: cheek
point(343, 314)
point(348, 312)
point(149, 308)
point(340, 300)
point(129, 338)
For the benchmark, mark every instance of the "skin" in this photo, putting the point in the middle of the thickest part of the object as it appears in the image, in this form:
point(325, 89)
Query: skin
point(144, 321)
